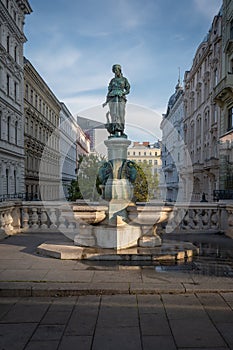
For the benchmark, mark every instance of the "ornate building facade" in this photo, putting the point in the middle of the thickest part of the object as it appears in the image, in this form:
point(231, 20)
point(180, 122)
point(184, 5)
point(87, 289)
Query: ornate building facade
point(171, 184)
point(223, 96)
point(73, 142)
point(202, 115)
point(12, 39)
point(42, 156)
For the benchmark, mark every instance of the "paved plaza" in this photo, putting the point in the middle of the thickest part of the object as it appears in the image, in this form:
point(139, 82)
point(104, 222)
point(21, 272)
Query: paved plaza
point(47, 303)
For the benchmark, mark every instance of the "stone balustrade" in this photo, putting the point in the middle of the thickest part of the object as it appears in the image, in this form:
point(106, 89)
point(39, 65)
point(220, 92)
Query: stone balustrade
point(34, 216)
point(199, 217)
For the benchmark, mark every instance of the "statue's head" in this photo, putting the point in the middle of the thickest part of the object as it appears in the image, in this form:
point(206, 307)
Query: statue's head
point(116, 68)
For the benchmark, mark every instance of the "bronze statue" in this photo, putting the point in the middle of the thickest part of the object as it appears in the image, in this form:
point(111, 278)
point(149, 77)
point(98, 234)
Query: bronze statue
point(118, 88)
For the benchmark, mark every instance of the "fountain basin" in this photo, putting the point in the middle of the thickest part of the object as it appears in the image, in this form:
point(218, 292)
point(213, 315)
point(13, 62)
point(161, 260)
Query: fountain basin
point(96, 229)
point(148, 214)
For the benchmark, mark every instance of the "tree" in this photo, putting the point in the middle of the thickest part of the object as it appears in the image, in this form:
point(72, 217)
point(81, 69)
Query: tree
point(87, 184)
point(146, 184)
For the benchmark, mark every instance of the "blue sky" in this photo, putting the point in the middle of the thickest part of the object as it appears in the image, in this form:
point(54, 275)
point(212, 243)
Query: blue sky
point(73, 45)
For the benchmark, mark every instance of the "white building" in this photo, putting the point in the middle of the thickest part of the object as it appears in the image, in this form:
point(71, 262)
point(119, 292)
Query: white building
point(12, 39)
point(171, 184)
point(68, 149)
point(202, 115)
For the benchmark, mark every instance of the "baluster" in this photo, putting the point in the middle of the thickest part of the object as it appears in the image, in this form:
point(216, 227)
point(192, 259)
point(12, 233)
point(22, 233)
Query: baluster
point(214, 220)
point(25, 218)
point(34, 218)
point(2, 223)
point(44, 219)
point(16, 219)
point(9, 220)
point(61, 220)
point(53, 218)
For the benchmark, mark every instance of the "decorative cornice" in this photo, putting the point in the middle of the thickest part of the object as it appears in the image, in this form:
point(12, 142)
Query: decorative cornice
point(11, 23)
point(24, 6)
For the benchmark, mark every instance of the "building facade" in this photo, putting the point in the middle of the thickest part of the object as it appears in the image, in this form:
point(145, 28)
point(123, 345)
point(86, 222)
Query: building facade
point(146, 153)
point(12, 39)
point(41, 139)
point(171, 182)
point(96, 133)
point(68, 149)
point(223, 96)
point(202, 114)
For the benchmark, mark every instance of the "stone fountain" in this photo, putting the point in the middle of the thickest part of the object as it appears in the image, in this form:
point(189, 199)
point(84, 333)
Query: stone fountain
point(120, 228)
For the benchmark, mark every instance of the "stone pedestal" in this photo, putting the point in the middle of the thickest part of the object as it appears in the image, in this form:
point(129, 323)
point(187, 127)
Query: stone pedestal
point(117, 148)
point(117, 237)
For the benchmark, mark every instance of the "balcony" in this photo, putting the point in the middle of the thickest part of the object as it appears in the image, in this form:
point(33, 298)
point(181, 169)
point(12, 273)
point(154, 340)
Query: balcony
point(212, 163)
point(224, 89)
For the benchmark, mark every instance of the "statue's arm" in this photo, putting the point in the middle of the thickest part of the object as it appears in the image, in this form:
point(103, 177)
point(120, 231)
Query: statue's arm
point(127, 87)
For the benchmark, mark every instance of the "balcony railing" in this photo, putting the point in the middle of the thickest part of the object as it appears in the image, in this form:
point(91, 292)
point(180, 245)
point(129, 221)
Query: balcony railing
point(222, 194)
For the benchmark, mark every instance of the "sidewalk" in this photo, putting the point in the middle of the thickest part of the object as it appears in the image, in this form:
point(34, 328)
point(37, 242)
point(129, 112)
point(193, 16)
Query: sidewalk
point(25, 273)
point(48, 304)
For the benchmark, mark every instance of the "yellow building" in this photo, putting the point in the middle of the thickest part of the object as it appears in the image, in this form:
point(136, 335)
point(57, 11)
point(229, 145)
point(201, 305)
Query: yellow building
point(146, 153)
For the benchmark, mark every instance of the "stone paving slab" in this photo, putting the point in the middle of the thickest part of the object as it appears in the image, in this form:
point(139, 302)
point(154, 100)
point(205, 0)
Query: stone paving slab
point(142, 322)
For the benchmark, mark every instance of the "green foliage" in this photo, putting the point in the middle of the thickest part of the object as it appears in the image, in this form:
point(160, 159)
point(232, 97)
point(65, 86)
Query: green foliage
point(146, 184)
point(87, 184)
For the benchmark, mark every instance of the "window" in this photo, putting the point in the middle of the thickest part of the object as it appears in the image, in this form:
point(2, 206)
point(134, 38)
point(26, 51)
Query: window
point(231, 29)
point(15, 53)
point(8, 85)
point(15, 91)
point(7, 181)
point(31, 97)
point(16, 132)
point(230, 119)
point(8, 44)
point(15, 182)
point(8, 128)
point(26, 92)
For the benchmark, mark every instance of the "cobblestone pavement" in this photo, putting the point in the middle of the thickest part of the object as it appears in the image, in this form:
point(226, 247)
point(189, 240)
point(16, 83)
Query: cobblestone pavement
point(137, 322)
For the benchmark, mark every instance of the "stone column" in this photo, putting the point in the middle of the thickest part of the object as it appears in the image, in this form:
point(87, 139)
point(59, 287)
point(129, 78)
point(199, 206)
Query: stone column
point(118, 189)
